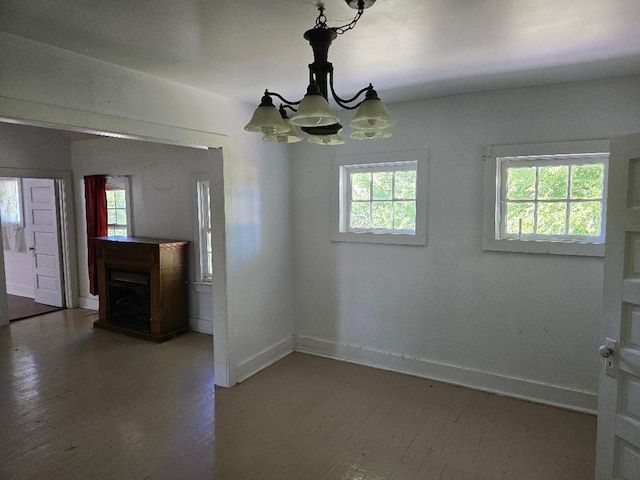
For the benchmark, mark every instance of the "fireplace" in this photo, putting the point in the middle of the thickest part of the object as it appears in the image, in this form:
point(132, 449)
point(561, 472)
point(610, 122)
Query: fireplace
point(129, 299)
point(142, 286)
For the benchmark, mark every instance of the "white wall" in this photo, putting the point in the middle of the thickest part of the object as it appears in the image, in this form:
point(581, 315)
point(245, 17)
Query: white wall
point(253, 282)
point(33, 148)
point(522, 324)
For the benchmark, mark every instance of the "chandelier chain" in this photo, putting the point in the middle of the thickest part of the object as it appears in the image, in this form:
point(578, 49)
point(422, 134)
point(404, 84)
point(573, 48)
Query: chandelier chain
point(321, 21)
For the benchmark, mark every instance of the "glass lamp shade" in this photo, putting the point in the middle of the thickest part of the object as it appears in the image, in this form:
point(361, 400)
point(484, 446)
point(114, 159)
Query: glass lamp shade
point(266, 119)
point(335, 139)
point(314, 111)
point(290, 136)
point(372, 115)
point(369, 134)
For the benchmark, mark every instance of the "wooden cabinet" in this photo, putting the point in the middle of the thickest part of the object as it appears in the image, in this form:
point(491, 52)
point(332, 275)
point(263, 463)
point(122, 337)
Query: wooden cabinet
point(142, 286)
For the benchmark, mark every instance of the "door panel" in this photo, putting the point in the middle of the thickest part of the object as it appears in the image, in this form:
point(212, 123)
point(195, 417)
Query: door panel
point(618, 449)
point(41, 215)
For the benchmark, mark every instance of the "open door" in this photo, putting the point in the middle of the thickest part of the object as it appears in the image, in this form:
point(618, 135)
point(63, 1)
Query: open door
point(41, 225)
point(618, 446)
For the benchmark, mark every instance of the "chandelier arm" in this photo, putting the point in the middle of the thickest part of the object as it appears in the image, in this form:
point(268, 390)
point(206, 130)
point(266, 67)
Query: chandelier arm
point(287, 102)
point(343, 102)
point(290, 107)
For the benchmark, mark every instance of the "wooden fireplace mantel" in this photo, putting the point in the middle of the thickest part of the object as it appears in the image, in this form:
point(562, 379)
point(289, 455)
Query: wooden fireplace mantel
point(163, 263)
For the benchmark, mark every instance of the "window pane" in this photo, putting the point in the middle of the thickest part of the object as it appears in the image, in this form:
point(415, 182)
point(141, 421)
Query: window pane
point(519, 218)
point(552, 182)
point(382, 213)
point(119, 232)
point(360, 215)
point(111, 216)
point(209, 255)
point(521, 183)
point(406, 185)
point(404, 215)
point(551, 218)
point(111, 199)
point(586, 181)
point(360, 186)
point(383, 185)
point(585, 218)
point(10, 199)
point(120, 199)
point(121, 217)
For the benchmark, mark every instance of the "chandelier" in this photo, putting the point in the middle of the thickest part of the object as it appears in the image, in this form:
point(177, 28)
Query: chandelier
point(313, 114)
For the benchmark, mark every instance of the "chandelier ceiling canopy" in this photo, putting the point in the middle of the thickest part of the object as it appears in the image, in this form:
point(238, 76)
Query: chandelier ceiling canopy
point(313, 114)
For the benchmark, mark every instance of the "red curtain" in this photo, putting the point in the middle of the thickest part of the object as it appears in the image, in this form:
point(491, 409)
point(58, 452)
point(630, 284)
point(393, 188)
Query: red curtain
point(96, 207)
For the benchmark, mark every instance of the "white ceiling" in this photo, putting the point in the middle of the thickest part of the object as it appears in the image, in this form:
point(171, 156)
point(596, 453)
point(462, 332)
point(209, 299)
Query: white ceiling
point(408, 49)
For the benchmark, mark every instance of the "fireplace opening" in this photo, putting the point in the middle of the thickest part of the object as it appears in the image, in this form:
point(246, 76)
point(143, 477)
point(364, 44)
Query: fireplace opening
point(129, 299)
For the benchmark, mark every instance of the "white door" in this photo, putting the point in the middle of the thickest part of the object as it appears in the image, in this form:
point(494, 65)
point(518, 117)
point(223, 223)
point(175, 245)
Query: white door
point(41, 221)
point(618, 447)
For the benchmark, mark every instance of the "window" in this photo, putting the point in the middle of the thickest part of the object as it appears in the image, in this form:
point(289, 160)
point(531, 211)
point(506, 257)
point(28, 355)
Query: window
point(382, 201)
point(118, 218)
point(204, 263)
point(10, 201)
point(548, 202)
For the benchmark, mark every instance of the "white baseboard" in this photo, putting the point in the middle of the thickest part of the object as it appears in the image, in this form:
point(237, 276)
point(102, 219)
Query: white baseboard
point(262, 360)
point(90, 303)
point(201, 325)
point(20, 290)
point(577, 400)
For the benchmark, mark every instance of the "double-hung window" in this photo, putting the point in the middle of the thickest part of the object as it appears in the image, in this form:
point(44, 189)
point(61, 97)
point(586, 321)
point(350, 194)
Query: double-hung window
point(545, 202)
point(202, 228)
point(118, 212)
point(381, 198)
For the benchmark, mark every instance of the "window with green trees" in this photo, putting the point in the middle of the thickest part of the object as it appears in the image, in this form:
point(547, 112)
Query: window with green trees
point(118, 223)
point(552, 197)
point(381, 198)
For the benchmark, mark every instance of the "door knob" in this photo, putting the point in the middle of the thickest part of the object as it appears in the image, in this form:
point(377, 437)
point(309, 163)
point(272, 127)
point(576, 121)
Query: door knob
point(32, 249)
point(605, 351)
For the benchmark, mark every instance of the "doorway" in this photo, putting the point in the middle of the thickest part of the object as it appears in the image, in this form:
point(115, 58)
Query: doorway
point(29, 212)
point(35, 254)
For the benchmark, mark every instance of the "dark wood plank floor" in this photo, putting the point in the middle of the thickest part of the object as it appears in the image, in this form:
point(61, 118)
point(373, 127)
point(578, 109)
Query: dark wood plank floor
point(84, 403)
point(24, 307)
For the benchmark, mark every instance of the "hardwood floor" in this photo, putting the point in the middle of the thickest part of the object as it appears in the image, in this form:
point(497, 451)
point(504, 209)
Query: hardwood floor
point(25, 307)
point(84, 403)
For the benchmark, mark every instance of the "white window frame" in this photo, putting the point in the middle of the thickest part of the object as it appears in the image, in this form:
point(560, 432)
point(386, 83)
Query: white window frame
point(202, 206)
point(389, 161)
point(496, 157)
point(121, 182)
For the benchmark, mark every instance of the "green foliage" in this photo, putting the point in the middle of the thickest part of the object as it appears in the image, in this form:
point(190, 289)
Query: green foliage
point(558, 187)
point(552, 182)
point(585, 218)
point(383, 200)
point(521, 183)
point(551, 218)
point(404, 215)
point(587, 181)
point(383, 185)
point(405, 185)
point(519, 218)
point(360, 215)
point(382, 213)
point(360, 186)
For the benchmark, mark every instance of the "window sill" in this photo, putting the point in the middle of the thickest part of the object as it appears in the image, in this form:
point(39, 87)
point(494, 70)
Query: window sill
point(547, 248)
point(382, 238)
point(202, 287)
